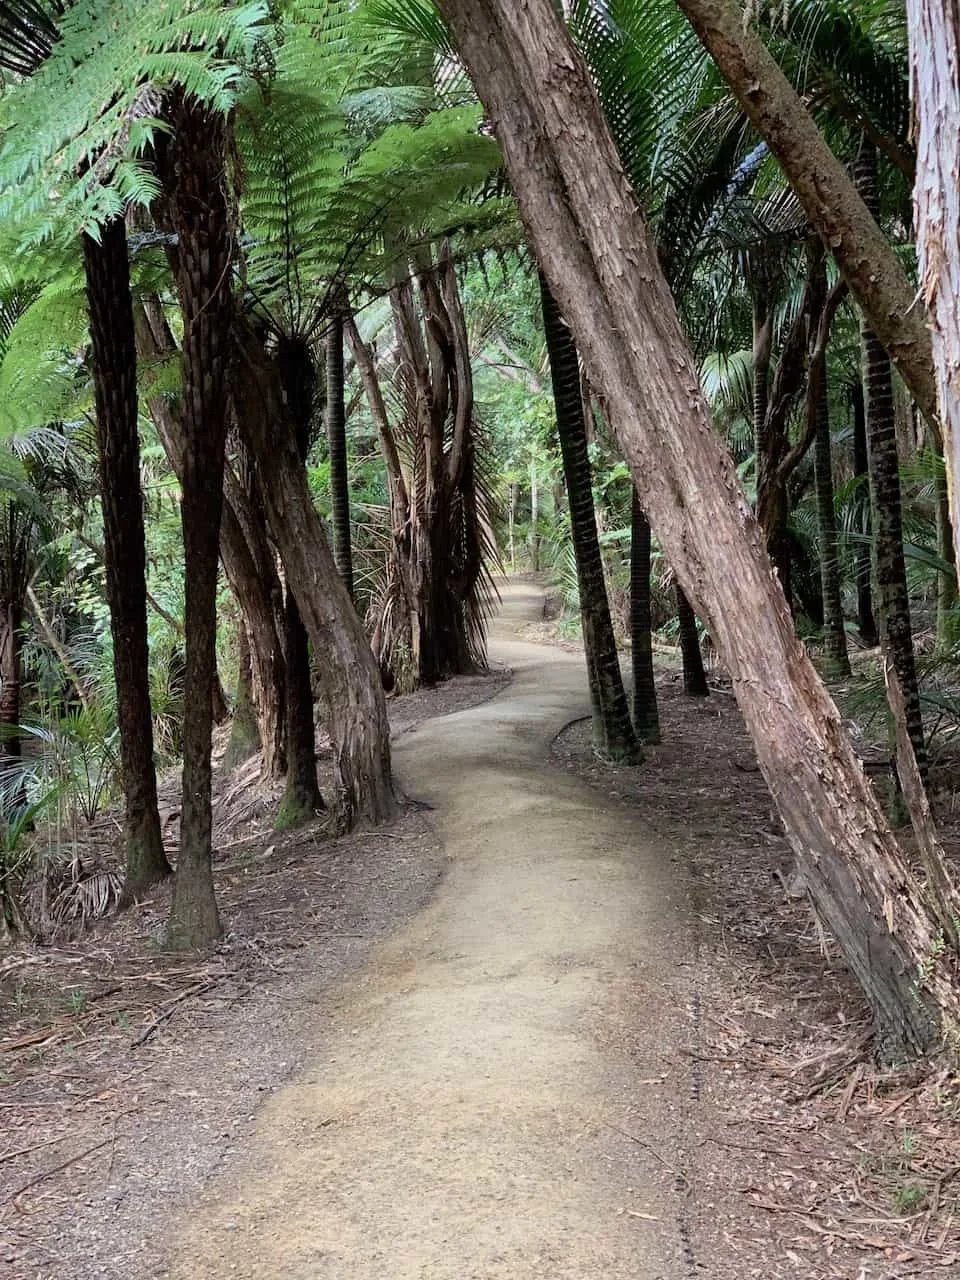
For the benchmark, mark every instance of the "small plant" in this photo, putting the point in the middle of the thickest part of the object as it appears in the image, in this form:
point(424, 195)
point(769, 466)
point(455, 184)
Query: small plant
point(121, 1020)
point(76, 1000)
point(909, 1198)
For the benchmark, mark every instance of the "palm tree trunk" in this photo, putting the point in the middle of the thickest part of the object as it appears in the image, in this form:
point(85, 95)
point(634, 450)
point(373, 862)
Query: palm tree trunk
point(337, 445)
point(891, 570)
point(602, 266)
point(866, 621)
point(836, 658)
point(694, 675)
point(205, 237)
point(613, 734)
point(118, 449)
point(11, 622)
point(646, 715)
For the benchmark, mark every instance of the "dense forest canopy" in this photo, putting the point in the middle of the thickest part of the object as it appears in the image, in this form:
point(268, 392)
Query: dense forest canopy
point(315, 319)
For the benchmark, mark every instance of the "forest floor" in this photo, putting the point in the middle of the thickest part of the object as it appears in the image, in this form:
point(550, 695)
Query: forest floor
point(568, 1024)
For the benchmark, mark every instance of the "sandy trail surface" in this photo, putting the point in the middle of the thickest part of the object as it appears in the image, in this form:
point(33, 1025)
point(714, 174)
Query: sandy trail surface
point(503, 1091)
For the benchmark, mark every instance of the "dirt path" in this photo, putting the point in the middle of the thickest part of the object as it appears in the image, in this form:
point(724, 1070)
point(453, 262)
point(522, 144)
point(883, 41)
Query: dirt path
point(502, 1092)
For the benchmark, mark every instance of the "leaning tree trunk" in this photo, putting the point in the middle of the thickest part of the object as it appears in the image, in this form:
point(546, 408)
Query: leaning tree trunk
point(835, 657)
point(822, 185)
point(613, 734)
point(694, 675)
point(646, 715)
point(118, 449)
point(935, 63)
point(205, 232)
point(866, 622)
point(349, 673)
point(301, 800)
point(602, 267)
point(337, 445)
point(891, 569)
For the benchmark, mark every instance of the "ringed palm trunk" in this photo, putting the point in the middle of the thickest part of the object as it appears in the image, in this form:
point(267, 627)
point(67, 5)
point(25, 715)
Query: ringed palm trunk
point(866, 621)
point(896, 632)
point(694, 676)
point(11, 622)
point(118, 450)
point(646, 715)
point(600, 261)
point(836, 658)
point(205, 236)
point(337, 445)
point(613, 734)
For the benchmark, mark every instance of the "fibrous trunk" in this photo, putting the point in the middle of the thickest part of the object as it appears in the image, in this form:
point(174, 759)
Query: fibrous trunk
point(244, 730)
point(602, 267)
point(694, 676)
point(118, 450)
point(204, 235)
point(613, 734)
point(866, 622)
point(646, 715)
point(337, 446)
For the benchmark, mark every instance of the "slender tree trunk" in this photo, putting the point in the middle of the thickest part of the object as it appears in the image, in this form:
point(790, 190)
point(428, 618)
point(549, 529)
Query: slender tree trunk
point(11, 641)
point(244, 729)
point(891, 570)
point(646, 715)
point(822, 185)
point(205, 238)
point(337, 444)
point(866, 621)
point(511, 527)
point(349, 673)
point(613, 734)
point(694, 676)
point(118, 449)
point(602, 267)
point(534, 517)
point(302, 798)
point(935, 63)
point(948, 606)
point(835, 657)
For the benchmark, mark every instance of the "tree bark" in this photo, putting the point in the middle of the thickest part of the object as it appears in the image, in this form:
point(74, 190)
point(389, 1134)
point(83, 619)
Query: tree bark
point(836, 660)
point(694, 676)
point(11, 643)
point(935, 63)
point(613, 734)
point(896, 631)
point(244, 730)
point(337, 445)
point(646, 714)
point(118, 450)
point(349, 674)
point(205, 239)
point(829, 199)
point(602, 268)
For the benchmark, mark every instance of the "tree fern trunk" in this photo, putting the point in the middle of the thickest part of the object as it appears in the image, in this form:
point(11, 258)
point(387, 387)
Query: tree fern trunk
point(866, 621)
point(118, 450)
point(613, 732)
point(11, 640)
point(302, 797)
point(694, 676)
point(896, 630)
point(836, 658)
point(244, 729)
point(646, 715)
point(205, 239)
point(337, 445)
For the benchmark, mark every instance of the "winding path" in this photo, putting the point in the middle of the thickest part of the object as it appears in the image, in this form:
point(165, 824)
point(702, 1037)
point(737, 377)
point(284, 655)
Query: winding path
point(501, 1093)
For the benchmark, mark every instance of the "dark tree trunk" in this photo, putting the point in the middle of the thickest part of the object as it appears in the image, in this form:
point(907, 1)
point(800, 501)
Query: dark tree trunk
point(205, 237)
point(118, 449)
point(896, 632)
point(337, 445)
point(866, 622)
point(646, 715)
point(244, 729)
point(694, 676)
point(349, 673)
point(835, 657)
point(11, 641)
point(948, 613)
point(302, 799)
point(602, 267)
point(613, 734)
